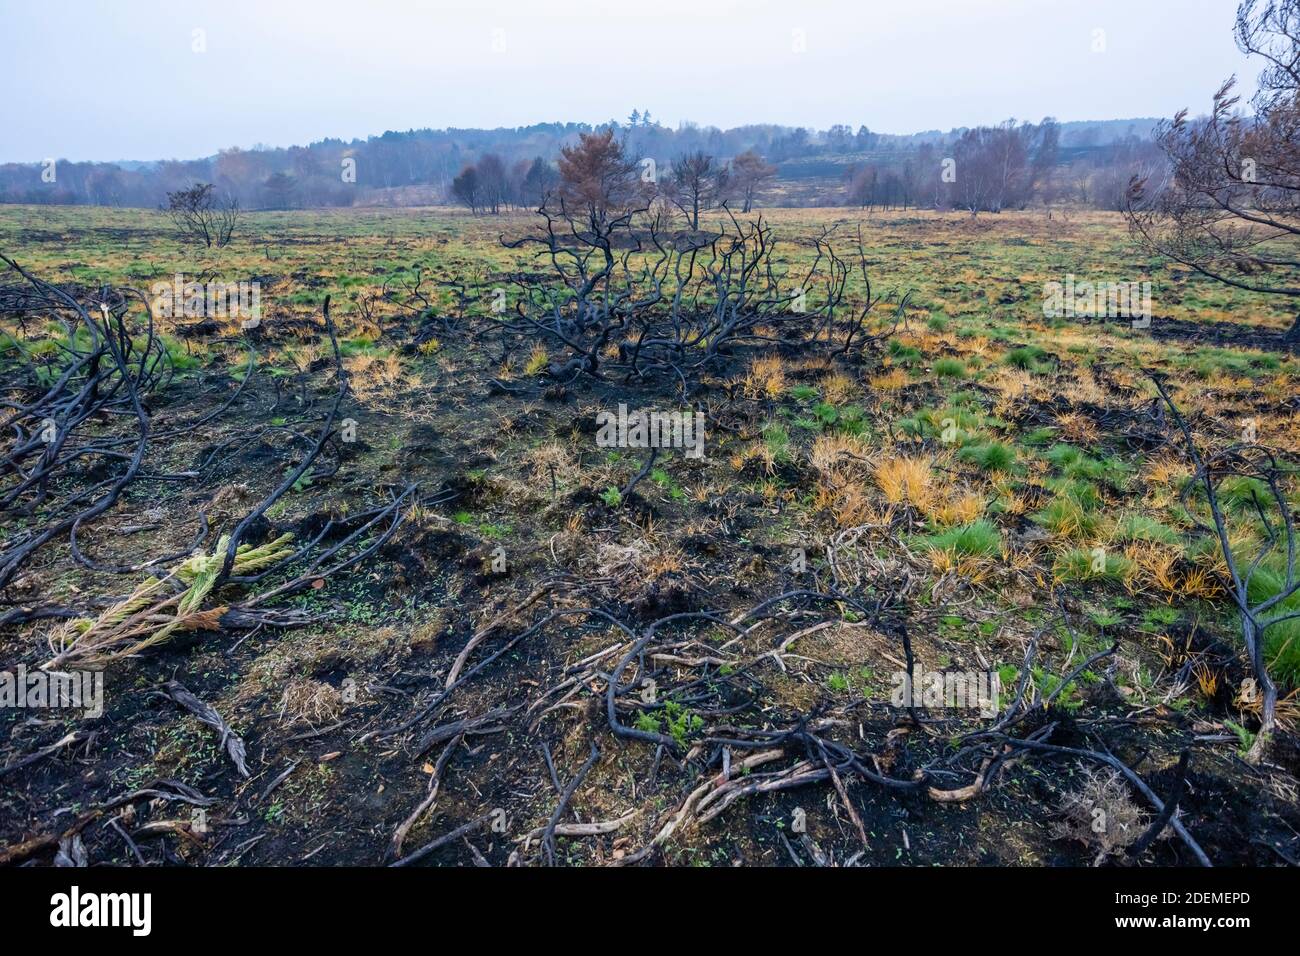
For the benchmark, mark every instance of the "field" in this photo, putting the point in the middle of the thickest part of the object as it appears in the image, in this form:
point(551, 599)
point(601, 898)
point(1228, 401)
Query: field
point(979, 488)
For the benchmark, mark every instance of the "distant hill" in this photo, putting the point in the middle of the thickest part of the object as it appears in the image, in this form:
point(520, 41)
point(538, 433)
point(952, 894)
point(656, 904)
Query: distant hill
point(812, 163)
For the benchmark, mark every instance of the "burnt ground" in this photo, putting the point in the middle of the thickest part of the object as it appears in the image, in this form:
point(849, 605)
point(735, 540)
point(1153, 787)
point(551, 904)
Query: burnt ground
point(346, 719)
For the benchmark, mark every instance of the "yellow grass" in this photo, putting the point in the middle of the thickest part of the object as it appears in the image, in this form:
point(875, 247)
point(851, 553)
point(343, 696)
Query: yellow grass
point(906, 480)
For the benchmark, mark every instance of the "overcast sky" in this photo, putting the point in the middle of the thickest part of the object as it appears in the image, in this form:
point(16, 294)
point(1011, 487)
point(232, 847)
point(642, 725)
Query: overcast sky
point(132, 79)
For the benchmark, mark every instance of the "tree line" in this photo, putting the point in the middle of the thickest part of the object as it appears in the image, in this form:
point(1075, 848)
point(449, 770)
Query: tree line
point(492, 170)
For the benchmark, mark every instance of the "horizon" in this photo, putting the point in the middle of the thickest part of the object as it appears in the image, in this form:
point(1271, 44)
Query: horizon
point(341, 74)
point(257, 147)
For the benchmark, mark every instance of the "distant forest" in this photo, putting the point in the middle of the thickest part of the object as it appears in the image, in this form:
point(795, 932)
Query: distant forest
point(1010, 165)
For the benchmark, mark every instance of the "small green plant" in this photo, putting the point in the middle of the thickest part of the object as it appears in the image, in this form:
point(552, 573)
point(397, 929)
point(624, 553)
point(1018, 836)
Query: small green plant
point(978, 539)
point(990, 456)
point(777, 440)
point(826, 413)
point(1026, 357)
point(1245, 738)
point(803, 393)
point(903, 353)
point(1065, 516)
point(612, 497)
point(679, 722)
point(950, 368)
point(1078, 564)
point(1159, 618)
point(1068, 697)
point(304, 480)
point(646, 722)
point(1139, 527)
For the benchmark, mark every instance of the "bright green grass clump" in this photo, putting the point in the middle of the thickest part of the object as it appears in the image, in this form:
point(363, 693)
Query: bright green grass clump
point(1242, 493)
point(1064, 515)
point(803, 393)
point(777, 440)
point(1078, 564)
point(903, 353)
point(1083, 493)
point(1073, 463)
point(950, 368)
point(989, 456)
point(1027, 357)
point(978, 539)
point(1134, 526)
point(954, 426)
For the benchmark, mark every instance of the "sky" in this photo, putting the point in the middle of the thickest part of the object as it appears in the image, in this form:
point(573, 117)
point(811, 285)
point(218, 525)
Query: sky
point(151, 79)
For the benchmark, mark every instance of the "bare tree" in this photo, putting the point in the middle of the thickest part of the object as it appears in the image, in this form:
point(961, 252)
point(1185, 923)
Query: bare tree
point(537, 183)
point(199, 215)
point(492, 182)
point(1230, 207)
point(467, 188)
point(748, 173)
point(1262, 593)
point(630, 295)
point(697, 183)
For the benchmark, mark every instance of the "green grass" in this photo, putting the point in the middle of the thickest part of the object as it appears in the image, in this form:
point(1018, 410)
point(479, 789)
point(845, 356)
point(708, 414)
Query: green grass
point(1242, 493)
point(951, 425)
point(903, 354)
point(1027, 357)
point(1078, 564)
point(990, 456)
point(1282, 640)
point(1064, 515)
point(950, 368)
point(1134, 526)
point(978, 539)
point(777, 440)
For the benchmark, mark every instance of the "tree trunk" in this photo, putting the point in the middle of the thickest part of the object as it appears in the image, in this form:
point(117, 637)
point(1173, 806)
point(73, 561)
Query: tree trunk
point(1254, 639)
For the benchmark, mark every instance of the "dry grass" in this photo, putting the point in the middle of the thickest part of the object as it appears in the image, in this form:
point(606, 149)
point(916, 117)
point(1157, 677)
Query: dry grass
point(838, 389)
point(906, 480)
point(1101, 813)
point(537, 360)
point(956, 506)
point(890, 381)
point(374, 376)
point(766, 377)
point(310, 702)
point(836, 453)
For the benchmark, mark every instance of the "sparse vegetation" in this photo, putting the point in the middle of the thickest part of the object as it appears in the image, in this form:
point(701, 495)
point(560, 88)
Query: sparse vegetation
point(624, 503)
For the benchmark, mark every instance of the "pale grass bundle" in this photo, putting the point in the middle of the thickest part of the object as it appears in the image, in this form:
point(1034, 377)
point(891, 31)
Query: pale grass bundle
point(146, 620)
